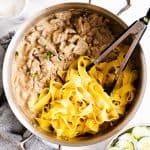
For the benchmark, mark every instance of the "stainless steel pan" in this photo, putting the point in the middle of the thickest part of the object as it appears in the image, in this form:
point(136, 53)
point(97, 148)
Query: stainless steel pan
point(117, 26)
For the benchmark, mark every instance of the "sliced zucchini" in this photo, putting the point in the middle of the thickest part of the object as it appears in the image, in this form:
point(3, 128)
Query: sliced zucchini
point(144, 143)
point(125, 145)
point(139, 132)
point(113, 148)
point(127, 137)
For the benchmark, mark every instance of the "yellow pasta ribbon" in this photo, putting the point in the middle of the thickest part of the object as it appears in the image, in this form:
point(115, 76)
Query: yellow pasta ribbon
point(81, 105)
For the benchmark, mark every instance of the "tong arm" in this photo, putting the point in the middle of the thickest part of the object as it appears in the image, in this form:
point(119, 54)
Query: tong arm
point(134, 29)
point(131, 49)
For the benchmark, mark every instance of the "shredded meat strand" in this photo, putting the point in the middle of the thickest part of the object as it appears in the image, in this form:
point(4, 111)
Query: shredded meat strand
point(54, 42)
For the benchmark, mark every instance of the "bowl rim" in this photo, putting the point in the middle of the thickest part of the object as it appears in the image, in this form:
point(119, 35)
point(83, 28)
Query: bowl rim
point(124, 130)
point(7, 84)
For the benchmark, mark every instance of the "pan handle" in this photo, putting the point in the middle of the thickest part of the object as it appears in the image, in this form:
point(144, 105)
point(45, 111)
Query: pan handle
point(126, 7)
point(123, 9)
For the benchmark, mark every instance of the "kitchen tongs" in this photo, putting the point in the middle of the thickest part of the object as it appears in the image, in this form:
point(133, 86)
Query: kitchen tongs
point(137, 30)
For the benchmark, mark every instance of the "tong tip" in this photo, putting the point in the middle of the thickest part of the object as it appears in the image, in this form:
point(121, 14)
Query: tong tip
point(89, 66)
point(110, 88)
point(146, 18)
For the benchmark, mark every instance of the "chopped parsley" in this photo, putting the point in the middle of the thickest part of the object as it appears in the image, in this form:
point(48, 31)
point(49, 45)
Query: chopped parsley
point(33, 75)
point(47, 55)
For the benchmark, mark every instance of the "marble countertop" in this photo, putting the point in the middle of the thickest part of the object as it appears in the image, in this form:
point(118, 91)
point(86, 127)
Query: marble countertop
point(137, 10)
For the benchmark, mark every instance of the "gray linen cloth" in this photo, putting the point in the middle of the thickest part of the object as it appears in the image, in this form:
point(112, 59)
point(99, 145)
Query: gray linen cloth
point(11, 131)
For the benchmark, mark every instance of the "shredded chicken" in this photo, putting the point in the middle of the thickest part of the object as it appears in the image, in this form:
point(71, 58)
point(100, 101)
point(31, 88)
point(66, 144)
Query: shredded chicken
point(81, 47)
point(53, 43)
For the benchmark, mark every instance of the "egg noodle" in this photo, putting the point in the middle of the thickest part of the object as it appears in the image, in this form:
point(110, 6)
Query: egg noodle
point(80, 105)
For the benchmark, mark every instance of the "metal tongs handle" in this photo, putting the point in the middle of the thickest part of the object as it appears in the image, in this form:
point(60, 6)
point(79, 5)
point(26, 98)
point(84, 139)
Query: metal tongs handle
point(136, 29)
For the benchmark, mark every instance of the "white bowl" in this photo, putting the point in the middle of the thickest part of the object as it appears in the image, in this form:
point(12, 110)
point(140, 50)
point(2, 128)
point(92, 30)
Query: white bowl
point(124, 130)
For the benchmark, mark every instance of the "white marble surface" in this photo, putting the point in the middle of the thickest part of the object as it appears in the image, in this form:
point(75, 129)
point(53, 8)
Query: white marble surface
point(138, 9)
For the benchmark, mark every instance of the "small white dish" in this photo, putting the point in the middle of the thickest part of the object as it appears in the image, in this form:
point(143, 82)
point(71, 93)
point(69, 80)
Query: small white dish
point(124, 131)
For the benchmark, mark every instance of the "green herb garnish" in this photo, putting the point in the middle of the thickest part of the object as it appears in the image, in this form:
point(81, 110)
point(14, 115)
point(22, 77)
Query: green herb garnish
point(47, 55)
point(33, 75)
